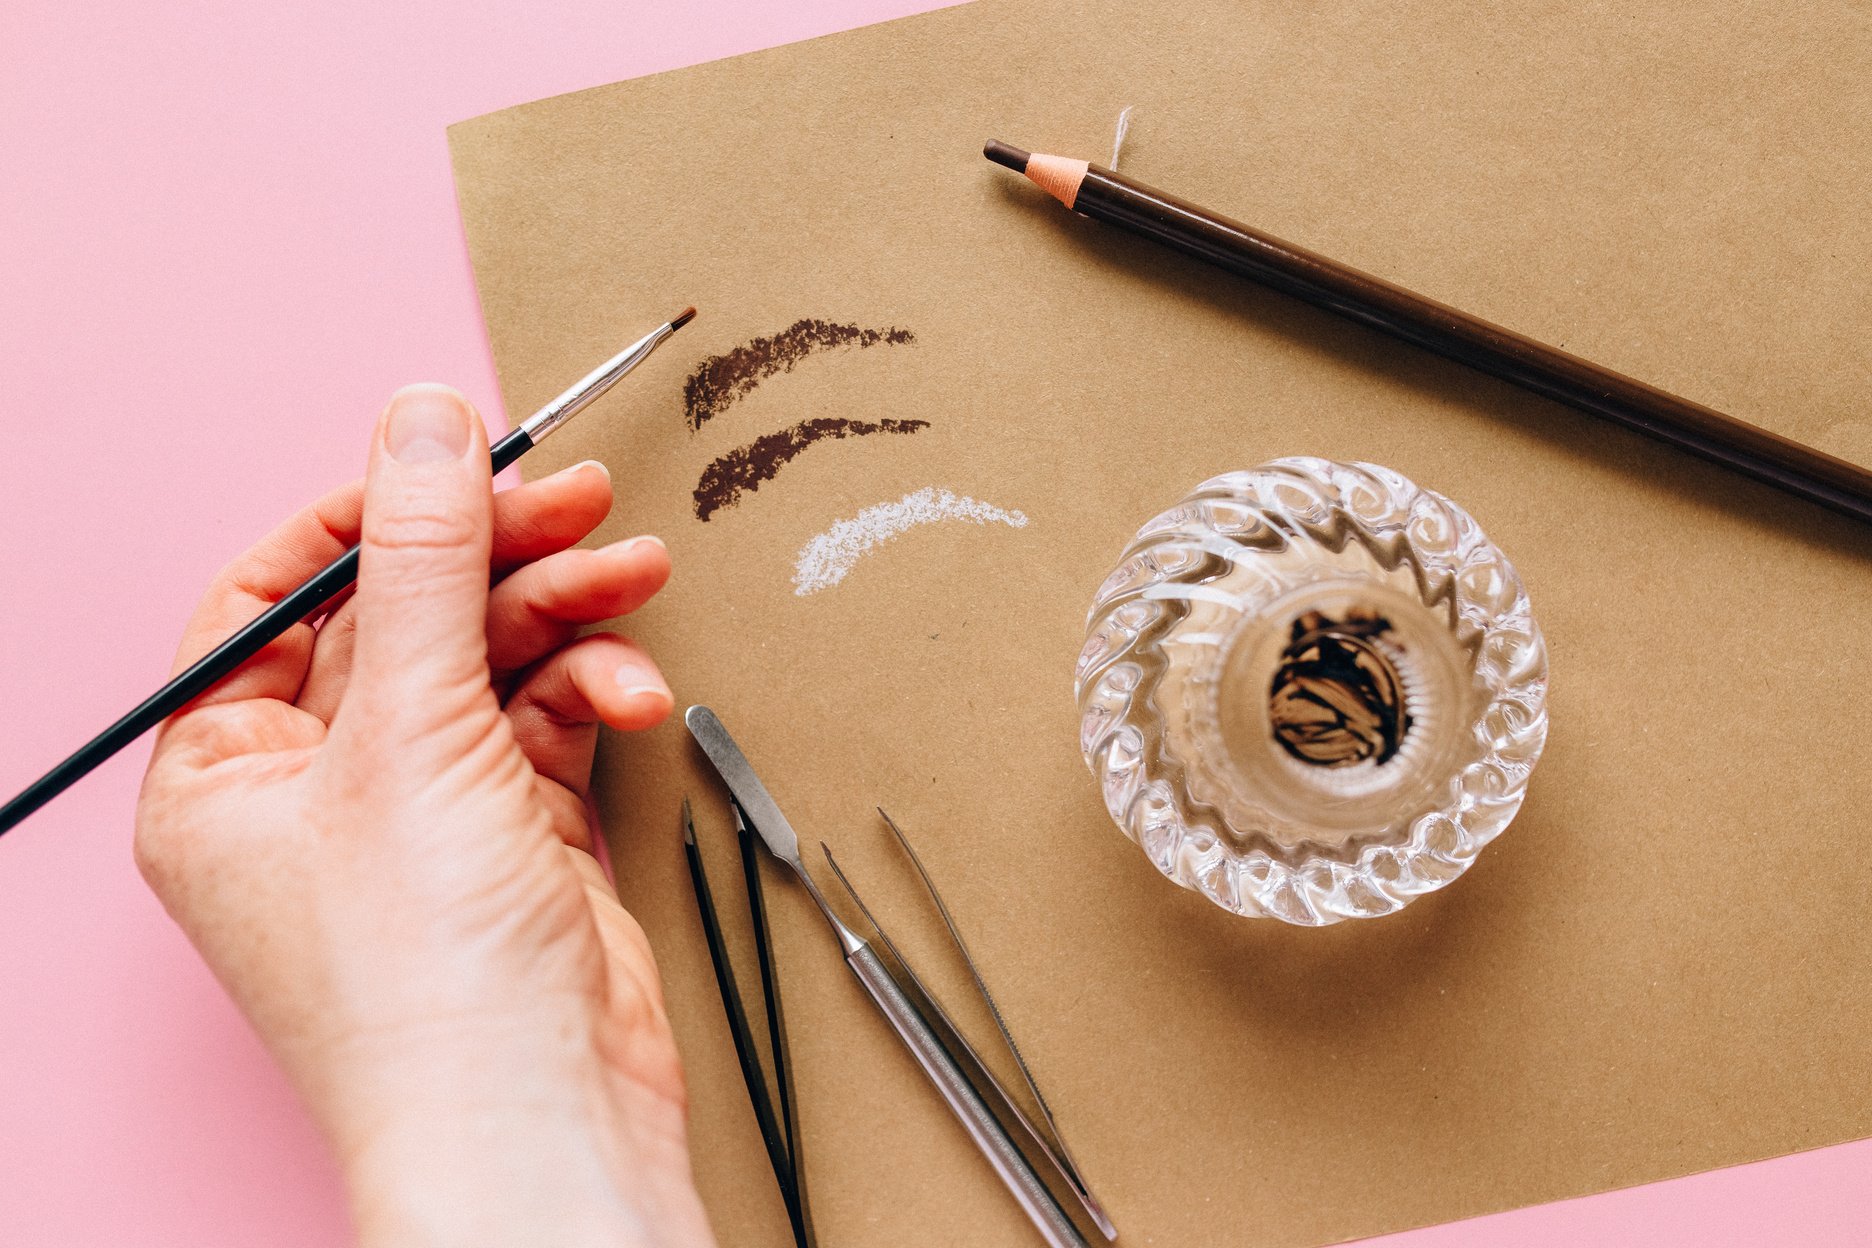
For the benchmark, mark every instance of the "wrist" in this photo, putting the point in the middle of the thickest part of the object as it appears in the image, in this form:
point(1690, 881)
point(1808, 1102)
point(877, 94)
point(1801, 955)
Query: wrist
point(492, 1175)
point(478, 1142)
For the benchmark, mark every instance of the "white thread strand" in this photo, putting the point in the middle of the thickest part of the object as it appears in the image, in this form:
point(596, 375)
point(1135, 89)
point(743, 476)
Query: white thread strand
point(1124, 128)
point(824, 561)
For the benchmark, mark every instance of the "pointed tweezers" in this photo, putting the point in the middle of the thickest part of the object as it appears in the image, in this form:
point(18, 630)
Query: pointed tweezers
point(777, 1130)
point(1045, 1134)
point(1047, 1129)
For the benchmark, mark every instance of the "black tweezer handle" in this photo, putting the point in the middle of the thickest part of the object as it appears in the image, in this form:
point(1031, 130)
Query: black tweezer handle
point(778, 1138)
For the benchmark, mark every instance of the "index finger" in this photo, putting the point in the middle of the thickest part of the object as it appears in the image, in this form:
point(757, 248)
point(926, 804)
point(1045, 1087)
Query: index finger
point(531, 520)
point(259, 577)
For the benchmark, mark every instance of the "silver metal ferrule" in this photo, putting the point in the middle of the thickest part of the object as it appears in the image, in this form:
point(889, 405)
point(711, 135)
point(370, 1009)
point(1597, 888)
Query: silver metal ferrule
point(591, 387)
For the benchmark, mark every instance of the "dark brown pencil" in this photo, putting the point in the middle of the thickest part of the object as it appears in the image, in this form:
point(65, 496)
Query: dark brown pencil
point(1111, 197)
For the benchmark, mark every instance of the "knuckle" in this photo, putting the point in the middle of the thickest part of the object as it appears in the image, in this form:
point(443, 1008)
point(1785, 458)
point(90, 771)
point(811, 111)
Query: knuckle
point(457, 719)
point(567, 713)
point(231, 582)
point(419, 529)
point(558, 577)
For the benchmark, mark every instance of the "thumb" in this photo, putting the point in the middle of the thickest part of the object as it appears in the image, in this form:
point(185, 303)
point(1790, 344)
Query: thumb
point(421, 652)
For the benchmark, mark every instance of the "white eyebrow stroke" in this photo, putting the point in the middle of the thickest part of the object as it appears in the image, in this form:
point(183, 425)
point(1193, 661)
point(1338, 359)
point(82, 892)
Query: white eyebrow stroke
point(824, 561)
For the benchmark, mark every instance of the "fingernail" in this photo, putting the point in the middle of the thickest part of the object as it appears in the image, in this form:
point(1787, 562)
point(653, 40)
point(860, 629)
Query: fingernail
point(632, 543)
point(428, 424)
point(581, 466)
point(644, 697)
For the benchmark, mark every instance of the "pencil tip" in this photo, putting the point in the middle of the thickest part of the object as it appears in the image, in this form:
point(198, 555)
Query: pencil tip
point(687, 315)
point(688, 823)
point(1004, 155)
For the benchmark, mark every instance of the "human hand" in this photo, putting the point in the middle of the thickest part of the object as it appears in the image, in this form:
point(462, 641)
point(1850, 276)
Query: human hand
point(376, 834)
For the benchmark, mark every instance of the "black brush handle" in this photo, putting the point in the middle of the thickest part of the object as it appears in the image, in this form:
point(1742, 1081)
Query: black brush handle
point(330, 581)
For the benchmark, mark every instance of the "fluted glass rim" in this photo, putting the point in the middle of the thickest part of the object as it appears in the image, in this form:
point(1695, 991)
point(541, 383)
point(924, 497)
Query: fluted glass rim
point(1306, 498)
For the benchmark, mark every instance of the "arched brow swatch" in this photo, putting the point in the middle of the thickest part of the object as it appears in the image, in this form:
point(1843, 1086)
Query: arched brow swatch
point(745, 467)
point(824, 561)
point(719, 381)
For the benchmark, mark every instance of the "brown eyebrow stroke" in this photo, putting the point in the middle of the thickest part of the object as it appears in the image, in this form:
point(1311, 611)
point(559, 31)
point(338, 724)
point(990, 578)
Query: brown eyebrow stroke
point(720, 381)
point(745, 467)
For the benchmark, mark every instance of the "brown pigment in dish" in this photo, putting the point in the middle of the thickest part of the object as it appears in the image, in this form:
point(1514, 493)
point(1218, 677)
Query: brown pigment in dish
point(745, 467)
point(1337, 698)
point(721, 380)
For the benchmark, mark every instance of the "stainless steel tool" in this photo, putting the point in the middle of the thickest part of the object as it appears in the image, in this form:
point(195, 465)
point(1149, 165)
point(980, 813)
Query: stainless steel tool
point(919, 1036)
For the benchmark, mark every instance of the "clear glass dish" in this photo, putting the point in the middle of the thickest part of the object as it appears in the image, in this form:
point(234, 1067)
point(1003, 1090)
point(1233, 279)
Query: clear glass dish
point(1313, 691)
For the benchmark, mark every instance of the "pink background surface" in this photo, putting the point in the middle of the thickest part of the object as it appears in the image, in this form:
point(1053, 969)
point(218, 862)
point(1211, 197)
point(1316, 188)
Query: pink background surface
point(227, 233)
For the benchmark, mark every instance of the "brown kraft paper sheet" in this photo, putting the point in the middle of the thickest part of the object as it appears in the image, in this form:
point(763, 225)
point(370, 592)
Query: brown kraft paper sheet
point(1658, 969)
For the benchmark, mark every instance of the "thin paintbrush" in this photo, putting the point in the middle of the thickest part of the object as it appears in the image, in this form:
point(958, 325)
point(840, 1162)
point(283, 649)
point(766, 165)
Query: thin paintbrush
point(325, 585)
point(1115, 199)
